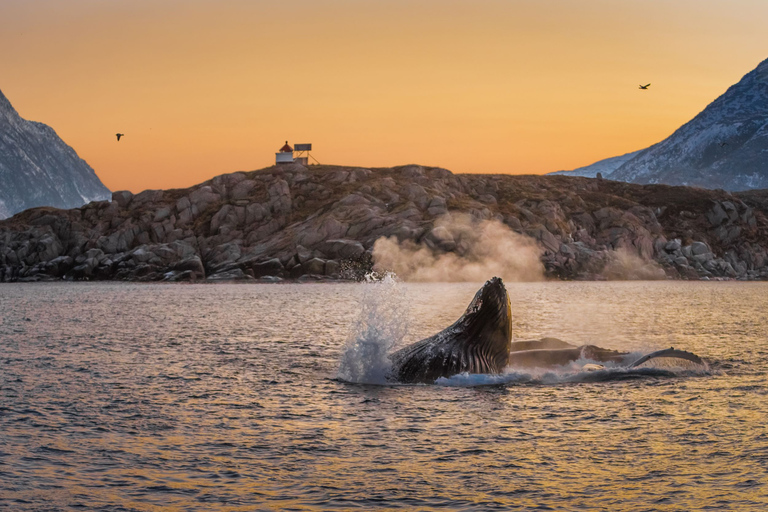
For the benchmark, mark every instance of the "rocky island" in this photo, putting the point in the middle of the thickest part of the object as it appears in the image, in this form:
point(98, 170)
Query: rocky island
point(291, 222)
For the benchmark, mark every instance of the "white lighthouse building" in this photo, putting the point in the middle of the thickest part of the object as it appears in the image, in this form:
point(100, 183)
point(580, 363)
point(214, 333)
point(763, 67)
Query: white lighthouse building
point(285, 155)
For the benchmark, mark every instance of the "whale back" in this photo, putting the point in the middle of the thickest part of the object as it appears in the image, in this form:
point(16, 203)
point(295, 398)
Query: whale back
point(478, 342)
point(542, 344)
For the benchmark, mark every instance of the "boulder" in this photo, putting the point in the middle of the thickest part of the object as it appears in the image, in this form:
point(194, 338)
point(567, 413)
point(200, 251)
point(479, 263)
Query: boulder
point(146, 197)
point(332, 268)
point(271, 267)
point(188, 214)
point(417, 194)
point(191, 264)
point(314, 266)
point(703, 257)
point(226, 253)
point(49, 247)
point(342, 249)
point(731, 210)
point(122, 197)
point(303, 254)
point(242, 189)
point(59, 266)
point(202, 197)
point(353, 199)
point(229, 216)
point(183, 204)
point(673, 246)
point(235, 274)
point(716, 215)
point(437, 206)
point(546, 238)
point(142, 255)
point(178, 275)
point(254, 213)
point(514, 223)
point(699, 248)
point(280, 197)
point(440, 238)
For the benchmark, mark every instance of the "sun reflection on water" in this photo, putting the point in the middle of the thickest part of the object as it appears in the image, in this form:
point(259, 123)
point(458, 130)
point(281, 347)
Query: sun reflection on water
point(226, 398)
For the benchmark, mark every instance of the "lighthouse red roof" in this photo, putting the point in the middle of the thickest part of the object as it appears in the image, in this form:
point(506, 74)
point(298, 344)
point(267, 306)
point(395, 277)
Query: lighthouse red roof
point(286, 148)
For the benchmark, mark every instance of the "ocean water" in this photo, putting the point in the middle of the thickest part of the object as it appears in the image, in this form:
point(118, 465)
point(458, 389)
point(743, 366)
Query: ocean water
point(270, 397)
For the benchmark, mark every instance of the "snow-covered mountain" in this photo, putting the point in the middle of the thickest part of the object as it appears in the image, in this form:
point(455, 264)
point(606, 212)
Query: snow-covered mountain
point(604, 167)
point(725, 146)
point(37, 168)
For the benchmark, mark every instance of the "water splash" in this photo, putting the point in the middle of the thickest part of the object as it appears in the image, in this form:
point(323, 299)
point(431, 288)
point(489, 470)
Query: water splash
point(574, 373)
point(383, 322)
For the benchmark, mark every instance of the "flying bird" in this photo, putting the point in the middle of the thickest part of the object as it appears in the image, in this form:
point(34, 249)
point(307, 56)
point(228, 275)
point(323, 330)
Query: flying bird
point(119, 135)
point(723, 144)
point(644, 87)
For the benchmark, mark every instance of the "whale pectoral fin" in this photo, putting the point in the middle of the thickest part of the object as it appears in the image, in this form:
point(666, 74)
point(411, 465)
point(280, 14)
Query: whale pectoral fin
point(672, 353)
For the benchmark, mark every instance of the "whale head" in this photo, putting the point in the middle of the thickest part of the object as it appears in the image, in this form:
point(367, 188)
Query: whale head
point(487, 322)
point(478, 342)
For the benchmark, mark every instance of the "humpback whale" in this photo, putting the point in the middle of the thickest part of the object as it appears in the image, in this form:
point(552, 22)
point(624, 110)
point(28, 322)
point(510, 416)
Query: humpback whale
point(481, 342)
point(478, 342)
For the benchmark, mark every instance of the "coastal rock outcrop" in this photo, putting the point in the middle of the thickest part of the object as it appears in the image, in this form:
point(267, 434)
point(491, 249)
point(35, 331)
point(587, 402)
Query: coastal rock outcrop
point(321, 222)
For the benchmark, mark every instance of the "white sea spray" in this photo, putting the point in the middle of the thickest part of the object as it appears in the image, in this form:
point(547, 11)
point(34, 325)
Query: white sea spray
point(573, 373)
point(381, 324)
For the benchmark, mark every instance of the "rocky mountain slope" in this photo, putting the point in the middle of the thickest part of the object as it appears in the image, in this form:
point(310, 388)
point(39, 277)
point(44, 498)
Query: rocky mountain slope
point(725, 146)
point(604, 167)
point(37, 168)
point(292, 222)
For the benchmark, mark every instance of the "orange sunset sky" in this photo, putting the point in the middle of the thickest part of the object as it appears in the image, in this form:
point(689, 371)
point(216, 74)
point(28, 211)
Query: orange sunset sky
point(205, 87)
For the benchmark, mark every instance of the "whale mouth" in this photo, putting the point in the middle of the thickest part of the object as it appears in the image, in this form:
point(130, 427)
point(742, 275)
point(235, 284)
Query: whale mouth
point(494, 289)
point(490, 315)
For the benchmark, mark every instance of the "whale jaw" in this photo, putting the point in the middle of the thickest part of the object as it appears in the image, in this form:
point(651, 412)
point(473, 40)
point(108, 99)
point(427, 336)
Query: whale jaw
point(478, 342)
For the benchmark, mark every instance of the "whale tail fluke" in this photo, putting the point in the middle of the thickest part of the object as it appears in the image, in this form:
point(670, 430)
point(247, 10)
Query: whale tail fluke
point(670, 353)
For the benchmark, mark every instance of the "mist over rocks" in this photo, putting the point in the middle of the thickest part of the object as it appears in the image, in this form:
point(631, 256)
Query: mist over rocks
point(461, 247)
point(291, 222)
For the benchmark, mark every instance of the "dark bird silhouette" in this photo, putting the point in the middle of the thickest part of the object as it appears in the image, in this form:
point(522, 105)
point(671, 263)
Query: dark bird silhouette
point(119, 135)
point(644, 87)
point(723, 144)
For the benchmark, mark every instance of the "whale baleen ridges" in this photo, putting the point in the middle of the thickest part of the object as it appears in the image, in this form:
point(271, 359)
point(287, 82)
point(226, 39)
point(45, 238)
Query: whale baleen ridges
point(479, 341)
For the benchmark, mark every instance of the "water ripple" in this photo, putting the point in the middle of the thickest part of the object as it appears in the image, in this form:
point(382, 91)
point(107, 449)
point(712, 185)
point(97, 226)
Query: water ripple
point(148, 397)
